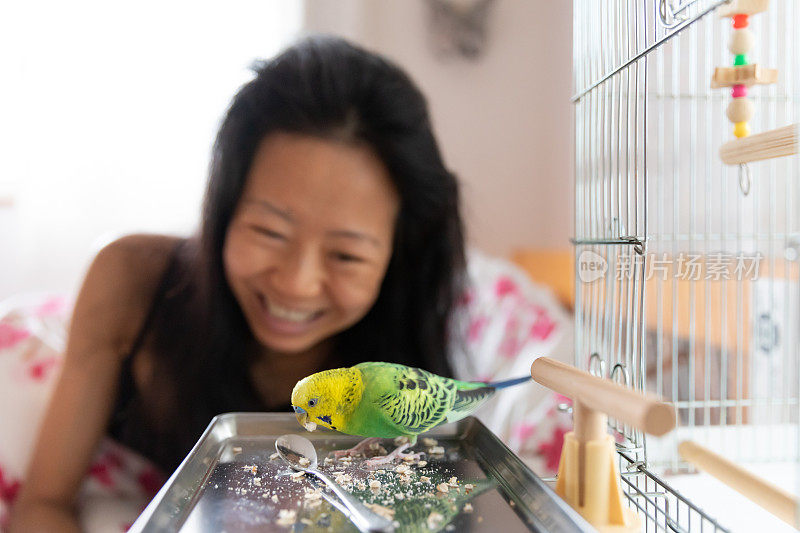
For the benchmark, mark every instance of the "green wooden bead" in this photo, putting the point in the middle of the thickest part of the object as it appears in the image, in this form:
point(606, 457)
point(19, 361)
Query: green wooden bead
point(739, 60)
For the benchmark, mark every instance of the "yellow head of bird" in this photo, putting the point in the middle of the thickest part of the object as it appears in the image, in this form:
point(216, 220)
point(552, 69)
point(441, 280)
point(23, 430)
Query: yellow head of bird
point(326, 398)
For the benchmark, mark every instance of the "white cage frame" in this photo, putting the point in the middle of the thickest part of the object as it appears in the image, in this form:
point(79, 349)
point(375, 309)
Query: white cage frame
point(650, 189)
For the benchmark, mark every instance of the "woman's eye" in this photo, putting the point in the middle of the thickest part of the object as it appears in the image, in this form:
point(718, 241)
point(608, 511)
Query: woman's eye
point(269, 233)
point(347, 258)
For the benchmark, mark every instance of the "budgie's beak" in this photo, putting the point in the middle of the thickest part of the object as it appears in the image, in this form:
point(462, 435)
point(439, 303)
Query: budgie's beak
point(302, 418)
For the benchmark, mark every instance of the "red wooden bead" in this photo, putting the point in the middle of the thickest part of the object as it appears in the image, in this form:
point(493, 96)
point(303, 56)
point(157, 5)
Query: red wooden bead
point(739, 91)
point(740, 21)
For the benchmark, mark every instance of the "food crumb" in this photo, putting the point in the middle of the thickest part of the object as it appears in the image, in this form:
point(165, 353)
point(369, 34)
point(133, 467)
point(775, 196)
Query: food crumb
point(453, 482)
point(286, 517)
point(409, 458)
point(236, 449)
point(468, 487)
point(307, 521)
point(381, 510)
point(399, 441)
point(512, 504)
point(401, 469)
point(429, 442)
point(435, 520)
point(399, 496)
point(436, 450)
point(374, 484)
point(344, 479)
point(257, 481)
point(442, 487)
point(422, 464)
point(304, 461)
point(297, 476)
point(274, 456)
point(424, 479)
point(467, 507)
point(274, 498)
point(480, 519)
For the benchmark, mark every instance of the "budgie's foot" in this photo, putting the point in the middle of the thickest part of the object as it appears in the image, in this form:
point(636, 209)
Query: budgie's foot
point(395, 455)
point(362, 448)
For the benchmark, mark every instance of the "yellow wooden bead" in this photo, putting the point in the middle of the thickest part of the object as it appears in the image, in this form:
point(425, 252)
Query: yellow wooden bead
point(742, 41)
point(740, 110)
point(741, 129)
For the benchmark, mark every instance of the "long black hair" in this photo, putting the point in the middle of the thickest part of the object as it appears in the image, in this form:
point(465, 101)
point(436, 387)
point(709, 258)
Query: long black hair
point(327, 88)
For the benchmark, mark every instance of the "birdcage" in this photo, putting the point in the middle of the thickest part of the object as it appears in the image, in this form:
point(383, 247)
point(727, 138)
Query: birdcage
point(687, 272)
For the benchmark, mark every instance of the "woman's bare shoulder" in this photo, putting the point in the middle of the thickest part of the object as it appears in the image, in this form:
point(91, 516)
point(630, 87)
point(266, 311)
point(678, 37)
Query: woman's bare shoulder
point(138, 255)
point(117, 292)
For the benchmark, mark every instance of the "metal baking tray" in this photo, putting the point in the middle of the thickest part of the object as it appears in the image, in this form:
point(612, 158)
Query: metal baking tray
point(215, 488)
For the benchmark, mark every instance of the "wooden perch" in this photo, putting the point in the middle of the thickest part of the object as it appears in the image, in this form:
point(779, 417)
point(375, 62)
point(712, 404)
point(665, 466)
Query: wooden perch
point(743, 7)
point(744, 75)
point(588, 478)
point(774, 143)
point(772, 498)
point(642, 411)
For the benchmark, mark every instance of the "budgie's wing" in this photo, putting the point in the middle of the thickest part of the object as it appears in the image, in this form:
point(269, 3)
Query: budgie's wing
point(410, 399)
point(468, 400)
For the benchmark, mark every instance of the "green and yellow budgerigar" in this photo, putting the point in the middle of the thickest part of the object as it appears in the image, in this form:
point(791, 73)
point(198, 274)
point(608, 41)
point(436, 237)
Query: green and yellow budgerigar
point(387, 400)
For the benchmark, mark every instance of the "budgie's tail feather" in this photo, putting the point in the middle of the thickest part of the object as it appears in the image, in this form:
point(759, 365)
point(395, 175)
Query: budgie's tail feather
point(472, 395)
point(508, 382)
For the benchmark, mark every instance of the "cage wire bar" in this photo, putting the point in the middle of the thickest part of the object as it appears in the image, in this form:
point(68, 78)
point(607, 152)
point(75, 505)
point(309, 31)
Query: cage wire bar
point(687, 276)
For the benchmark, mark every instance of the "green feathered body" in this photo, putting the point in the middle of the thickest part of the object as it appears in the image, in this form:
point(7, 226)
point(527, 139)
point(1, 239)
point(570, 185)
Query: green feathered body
point(398, 400)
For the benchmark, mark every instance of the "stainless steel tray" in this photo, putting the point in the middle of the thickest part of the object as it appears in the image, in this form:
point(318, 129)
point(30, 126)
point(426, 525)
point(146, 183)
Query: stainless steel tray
point(215, 488)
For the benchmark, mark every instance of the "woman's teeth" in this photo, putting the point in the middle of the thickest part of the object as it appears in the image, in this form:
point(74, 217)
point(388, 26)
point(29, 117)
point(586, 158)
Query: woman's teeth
point(289, 314)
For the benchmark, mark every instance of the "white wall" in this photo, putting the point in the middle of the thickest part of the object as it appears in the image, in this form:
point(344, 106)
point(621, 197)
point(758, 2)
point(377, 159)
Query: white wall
point(107, 115)
point(504, 122)
point(108, 111)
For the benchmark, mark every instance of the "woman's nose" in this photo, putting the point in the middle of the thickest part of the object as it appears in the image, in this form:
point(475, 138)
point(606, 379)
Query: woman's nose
point(300, 275)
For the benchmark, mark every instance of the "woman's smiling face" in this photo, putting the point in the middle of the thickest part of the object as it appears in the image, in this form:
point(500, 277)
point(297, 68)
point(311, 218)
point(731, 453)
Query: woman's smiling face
point(310, 241)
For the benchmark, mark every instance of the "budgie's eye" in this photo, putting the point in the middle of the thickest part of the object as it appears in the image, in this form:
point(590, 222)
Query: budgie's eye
point(312, 402)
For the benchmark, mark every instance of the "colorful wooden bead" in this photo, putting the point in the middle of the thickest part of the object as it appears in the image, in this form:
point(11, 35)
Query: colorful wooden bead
point(740, 110)
point(741, 41)
point(739, 60)
point(740, 21)
point(741, 129)
point(739, 91)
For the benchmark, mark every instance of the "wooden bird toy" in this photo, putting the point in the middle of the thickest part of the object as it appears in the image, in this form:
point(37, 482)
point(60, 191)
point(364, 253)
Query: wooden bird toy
point(740, 78)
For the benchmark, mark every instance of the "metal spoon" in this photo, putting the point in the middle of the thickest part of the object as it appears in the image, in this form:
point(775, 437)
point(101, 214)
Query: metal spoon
point(294, 448)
